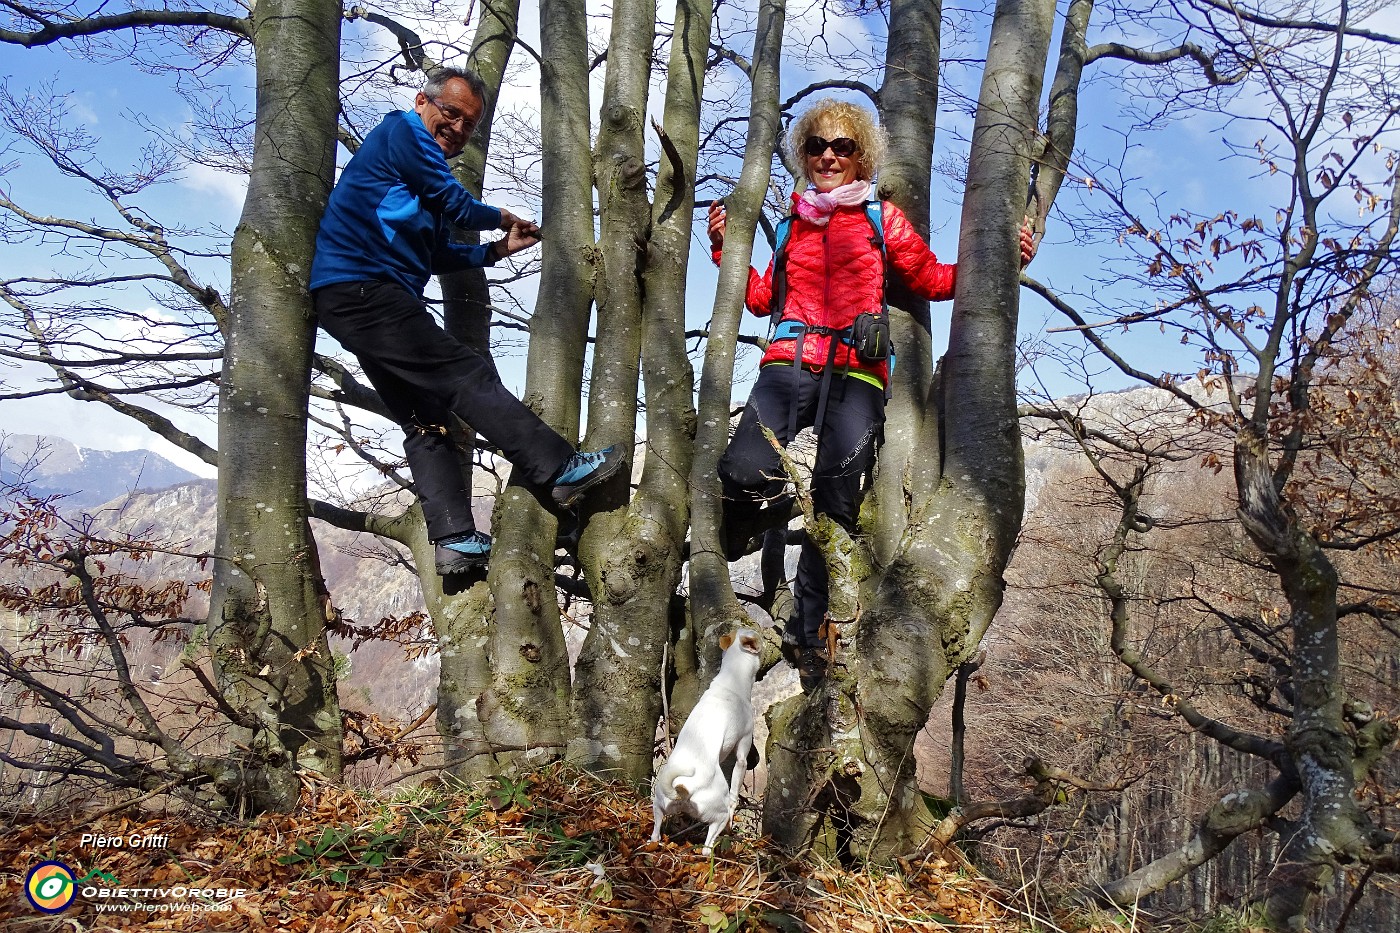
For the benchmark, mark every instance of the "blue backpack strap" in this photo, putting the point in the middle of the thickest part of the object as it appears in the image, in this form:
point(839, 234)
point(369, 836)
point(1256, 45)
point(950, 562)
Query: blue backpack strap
point(785, 330)
point(779, 293)
point(875, 213)
point(780, 236)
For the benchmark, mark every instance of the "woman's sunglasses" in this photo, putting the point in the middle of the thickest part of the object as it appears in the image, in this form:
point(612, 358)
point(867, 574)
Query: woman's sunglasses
point(843, 147)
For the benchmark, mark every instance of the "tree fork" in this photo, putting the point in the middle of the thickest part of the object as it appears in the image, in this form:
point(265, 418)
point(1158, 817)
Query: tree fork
point(931, 603)
point(525, 705)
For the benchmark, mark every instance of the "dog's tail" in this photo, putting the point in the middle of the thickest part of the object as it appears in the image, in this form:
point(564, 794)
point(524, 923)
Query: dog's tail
point(675, 779)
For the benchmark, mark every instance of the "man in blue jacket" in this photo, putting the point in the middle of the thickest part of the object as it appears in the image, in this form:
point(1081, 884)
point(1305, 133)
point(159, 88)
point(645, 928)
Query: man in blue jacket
point(385, 231)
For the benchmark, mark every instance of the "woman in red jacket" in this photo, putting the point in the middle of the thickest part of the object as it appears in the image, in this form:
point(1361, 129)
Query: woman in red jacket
point(831, 272)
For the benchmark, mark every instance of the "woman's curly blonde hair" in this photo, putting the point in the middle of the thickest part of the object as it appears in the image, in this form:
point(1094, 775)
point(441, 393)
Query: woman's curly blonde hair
point(855, 121)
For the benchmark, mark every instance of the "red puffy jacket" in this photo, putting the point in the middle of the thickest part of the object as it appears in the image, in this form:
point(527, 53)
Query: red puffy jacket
point(835, 272)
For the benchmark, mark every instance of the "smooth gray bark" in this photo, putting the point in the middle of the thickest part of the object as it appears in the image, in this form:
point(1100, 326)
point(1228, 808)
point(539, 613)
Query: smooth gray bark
point(526, 706)
point(633, 554)
point(267, 615)
point(713, 606)
point(1062, 118)
point(945, 582)
point(460, 616)
point(621, 654)
point(908, 102)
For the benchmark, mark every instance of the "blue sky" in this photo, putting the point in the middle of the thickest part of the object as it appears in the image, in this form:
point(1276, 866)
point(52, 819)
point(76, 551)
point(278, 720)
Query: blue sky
point(1188, 159)
point(101, 98)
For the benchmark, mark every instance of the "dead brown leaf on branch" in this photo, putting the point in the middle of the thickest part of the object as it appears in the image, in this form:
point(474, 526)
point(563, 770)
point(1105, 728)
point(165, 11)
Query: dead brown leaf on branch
point(555, 851)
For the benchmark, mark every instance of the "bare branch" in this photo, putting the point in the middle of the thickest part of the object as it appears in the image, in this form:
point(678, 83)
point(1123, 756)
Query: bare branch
point(723, 53)
point(357, 520)
point(134, 20)
point(410, 43)
point(1048, 780)
point(1101, 345)
point(833, 85)
point(1127, 53)
point(236, 717)
point(1273, 22)
point(1232, 816)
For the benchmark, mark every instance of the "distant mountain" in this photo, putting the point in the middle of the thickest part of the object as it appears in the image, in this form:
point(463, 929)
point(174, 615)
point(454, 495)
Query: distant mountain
point(85, 477)
point(368, 579)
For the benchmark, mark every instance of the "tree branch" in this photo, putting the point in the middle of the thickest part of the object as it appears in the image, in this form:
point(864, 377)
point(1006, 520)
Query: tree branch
point(136, 19)
point(1272, 22)
point(1130, 522)
point(1190, 50)
point(234, 716)
point(723, 53)
point(375, 749)
point(349, 390)
point(1232, 816)
point(832, 85)
point(1101, 345)
point(1047, 783)
point(410, 43)
point(356, 520)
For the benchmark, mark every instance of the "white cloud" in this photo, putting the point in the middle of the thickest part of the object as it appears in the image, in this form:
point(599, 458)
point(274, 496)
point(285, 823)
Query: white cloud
point(81, 107)
point(205, 180)
point(93, 426)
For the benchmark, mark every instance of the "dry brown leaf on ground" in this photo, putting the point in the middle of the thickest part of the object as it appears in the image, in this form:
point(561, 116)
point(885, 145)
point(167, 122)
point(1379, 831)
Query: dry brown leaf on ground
point(554, 851)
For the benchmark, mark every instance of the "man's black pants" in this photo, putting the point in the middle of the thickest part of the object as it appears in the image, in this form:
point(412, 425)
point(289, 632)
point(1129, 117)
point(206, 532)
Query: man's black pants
point(422, 373)
point(751, 473)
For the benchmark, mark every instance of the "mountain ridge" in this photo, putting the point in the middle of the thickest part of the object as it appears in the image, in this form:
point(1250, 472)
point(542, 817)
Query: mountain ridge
point(84, 476)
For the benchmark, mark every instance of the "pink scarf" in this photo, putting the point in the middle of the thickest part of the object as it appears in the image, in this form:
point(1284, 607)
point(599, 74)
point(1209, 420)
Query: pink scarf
point(818, 207)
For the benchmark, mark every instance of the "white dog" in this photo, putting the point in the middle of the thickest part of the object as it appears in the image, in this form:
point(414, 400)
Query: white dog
point(719, 728)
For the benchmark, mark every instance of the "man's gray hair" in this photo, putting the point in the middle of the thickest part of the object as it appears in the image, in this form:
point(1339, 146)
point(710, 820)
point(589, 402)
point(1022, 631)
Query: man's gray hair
point(437, 81)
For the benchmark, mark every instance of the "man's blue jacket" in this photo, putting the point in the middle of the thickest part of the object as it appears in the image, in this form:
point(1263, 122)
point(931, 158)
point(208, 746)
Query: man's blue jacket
point(389, 216)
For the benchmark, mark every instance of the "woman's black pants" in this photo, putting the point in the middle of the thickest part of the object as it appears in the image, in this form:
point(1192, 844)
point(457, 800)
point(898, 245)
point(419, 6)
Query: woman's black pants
point(751, 473)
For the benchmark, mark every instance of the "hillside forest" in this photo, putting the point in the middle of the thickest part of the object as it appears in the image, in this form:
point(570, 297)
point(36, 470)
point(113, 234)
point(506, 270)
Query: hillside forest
point(1121, 611)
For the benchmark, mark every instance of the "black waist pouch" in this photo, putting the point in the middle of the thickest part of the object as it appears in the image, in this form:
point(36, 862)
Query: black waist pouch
point(870, 337)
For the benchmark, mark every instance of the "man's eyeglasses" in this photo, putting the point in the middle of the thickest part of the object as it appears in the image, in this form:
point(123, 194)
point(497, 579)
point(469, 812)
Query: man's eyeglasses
point(843, 147)
point(450, 113)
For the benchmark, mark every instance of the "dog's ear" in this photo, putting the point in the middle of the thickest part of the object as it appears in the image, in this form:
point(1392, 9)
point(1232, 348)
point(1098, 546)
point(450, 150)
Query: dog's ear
point(749, 642)
point(725, 641)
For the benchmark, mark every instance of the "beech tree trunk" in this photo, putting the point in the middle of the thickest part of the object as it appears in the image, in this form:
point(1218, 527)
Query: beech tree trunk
point(614, 654)
point(525, 707)
point(713, 607)
point(933, 593)
point(908, 100)
point(633, 554)
point(460, 615)
point(267, 618)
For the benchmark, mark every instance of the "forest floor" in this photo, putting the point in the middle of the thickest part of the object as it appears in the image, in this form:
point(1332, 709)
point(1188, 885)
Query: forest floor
point(558, 851)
